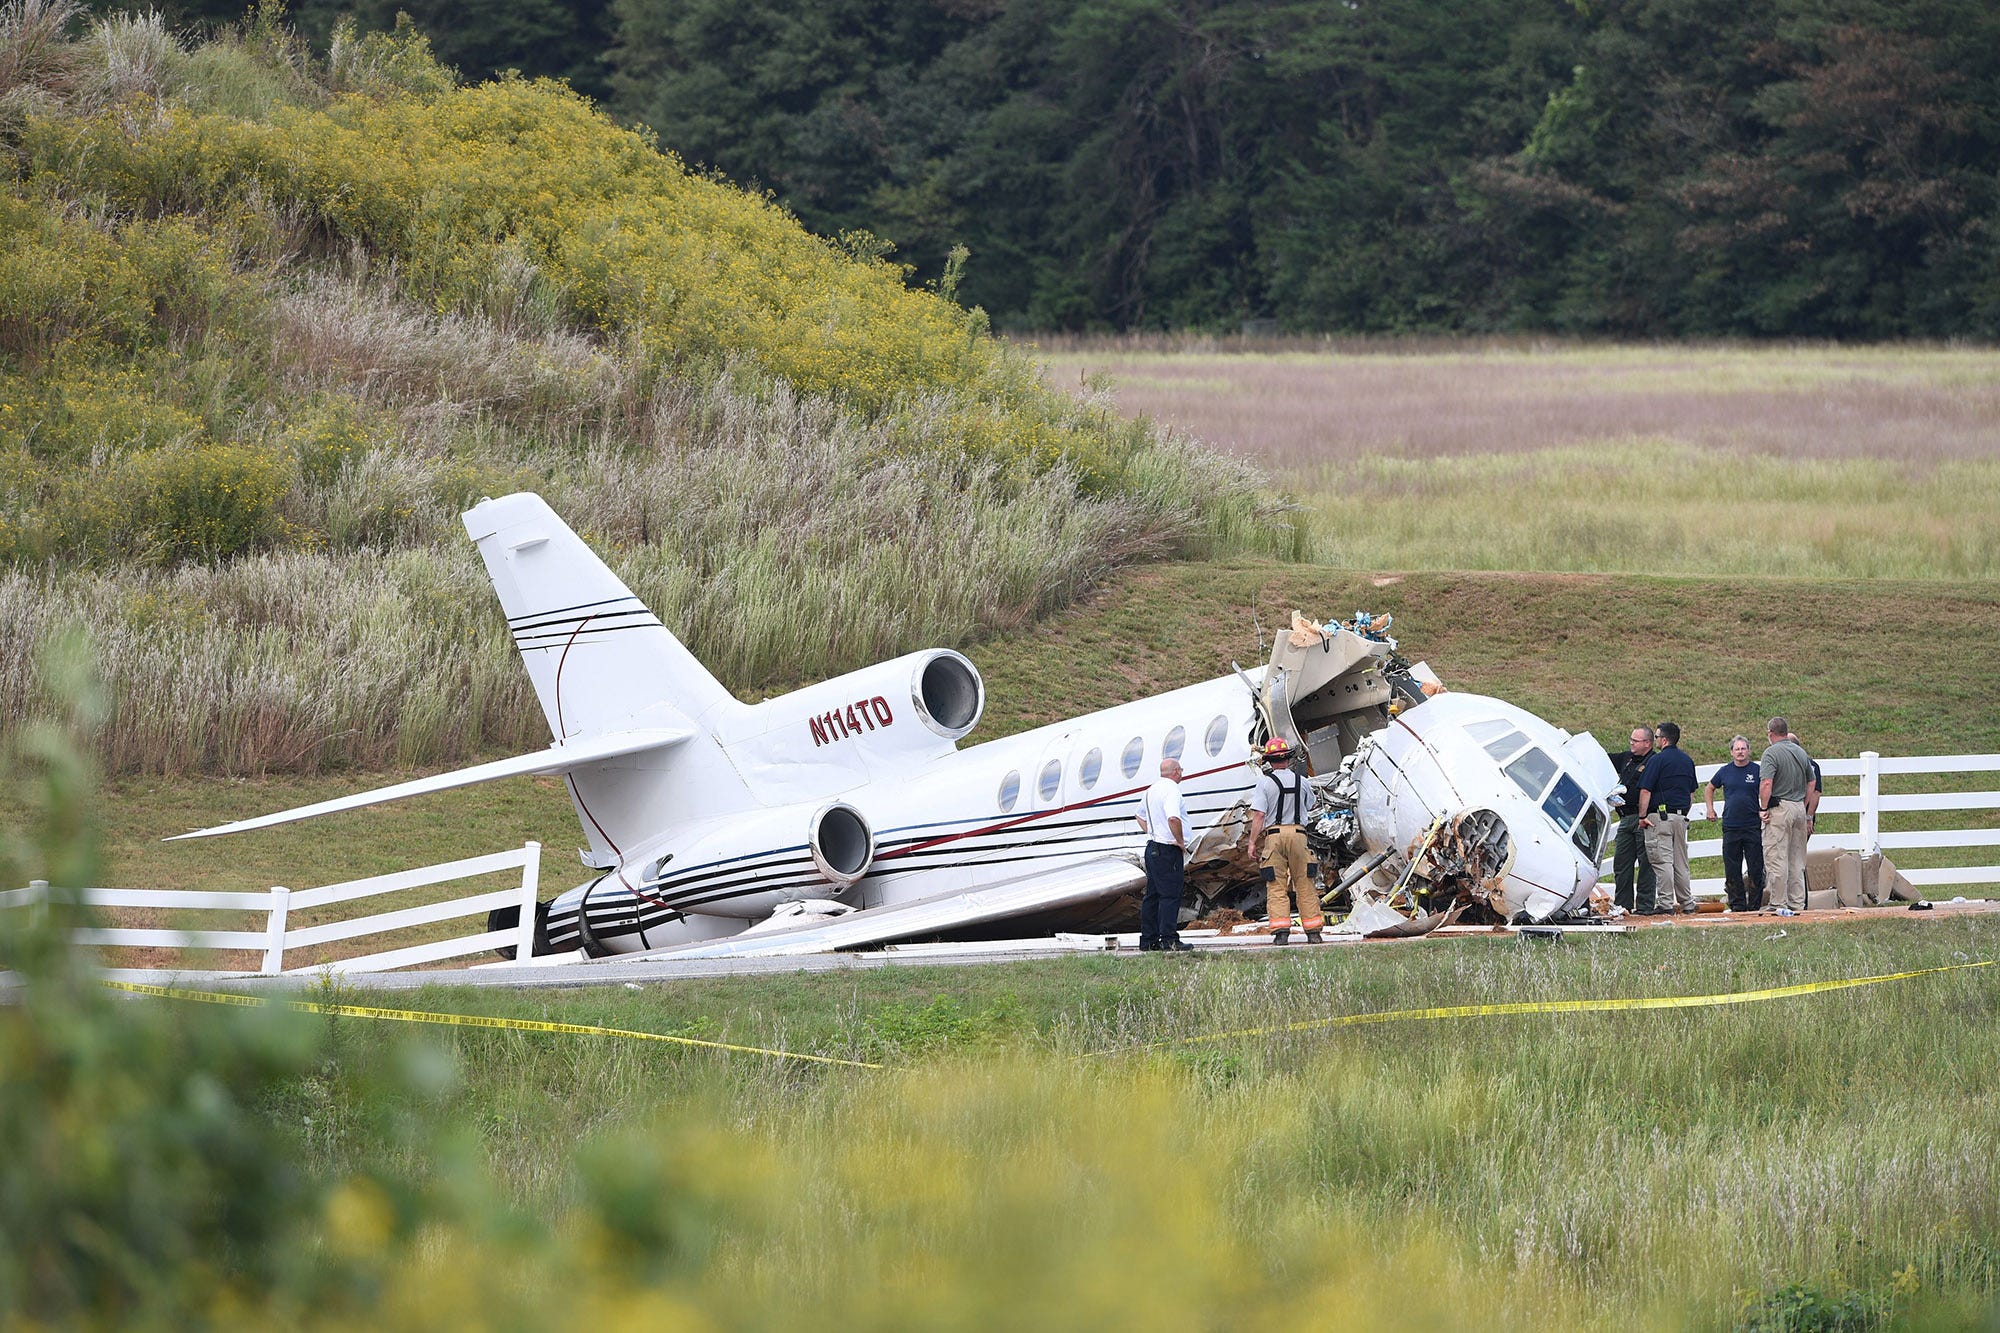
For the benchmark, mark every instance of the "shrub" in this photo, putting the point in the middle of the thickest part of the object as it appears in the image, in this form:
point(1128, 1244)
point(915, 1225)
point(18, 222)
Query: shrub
point(199, 501)
point(450, 183)
point(211, 502)
point(65, 280)
point(83, 409)
point(382, 62)
point(134, 55)
point(328, 438)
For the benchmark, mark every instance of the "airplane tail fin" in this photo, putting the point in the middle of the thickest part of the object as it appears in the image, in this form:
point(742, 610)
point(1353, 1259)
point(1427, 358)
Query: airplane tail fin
point(599, 658)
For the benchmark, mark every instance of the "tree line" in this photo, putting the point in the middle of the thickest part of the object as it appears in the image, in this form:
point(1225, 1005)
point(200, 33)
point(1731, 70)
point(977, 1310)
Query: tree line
point(1797, 168)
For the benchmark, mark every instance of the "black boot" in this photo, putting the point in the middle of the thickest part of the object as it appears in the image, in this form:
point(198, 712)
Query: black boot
point(1312, 937)
point(1281, 936)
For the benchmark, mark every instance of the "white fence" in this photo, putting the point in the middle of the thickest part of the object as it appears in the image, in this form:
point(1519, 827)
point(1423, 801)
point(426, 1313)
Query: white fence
point(1871, 805)
point(279, 936)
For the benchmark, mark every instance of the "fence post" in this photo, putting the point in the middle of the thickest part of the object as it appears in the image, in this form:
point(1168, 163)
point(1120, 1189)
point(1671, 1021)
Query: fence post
point(531, 883)
point(274, 930)
point(1871, 803)
point(38, 901)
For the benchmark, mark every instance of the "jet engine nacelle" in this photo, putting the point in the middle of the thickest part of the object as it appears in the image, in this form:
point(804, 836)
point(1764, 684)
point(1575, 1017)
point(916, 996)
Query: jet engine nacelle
point(869, 724)
point(792, 853)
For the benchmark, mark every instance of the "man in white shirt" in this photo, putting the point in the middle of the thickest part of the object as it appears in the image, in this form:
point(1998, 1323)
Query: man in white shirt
point(1163, 815)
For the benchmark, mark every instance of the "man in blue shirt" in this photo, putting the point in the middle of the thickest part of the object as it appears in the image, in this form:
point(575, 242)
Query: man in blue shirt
point(1666, 791)
point(1742, 828)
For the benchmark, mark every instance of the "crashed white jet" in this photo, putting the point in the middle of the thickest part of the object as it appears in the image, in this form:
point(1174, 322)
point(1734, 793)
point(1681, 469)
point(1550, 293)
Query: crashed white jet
point(845, 814)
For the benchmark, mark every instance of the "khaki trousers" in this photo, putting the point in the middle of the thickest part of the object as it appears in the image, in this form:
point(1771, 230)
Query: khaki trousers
point(1667, 853)
point(1785, 855)
point(1288, 871)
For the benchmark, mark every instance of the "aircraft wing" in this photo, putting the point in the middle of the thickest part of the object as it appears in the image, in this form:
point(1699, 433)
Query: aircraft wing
point(1081, 883)
point(555, 759)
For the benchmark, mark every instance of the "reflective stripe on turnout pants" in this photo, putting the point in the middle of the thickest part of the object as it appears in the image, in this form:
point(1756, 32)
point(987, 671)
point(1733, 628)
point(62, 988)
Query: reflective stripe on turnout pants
point(1288, 871)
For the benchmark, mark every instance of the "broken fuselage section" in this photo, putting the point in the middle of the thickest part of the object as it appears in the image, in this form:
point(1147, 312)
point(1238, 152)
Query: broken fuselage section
point(1430, 802)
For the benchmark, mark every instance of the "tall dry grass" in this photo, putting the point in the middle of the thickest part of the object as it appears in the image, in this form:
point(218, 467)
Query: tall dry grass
point(1693, 511)
point(783, 539)
point(1807, 461)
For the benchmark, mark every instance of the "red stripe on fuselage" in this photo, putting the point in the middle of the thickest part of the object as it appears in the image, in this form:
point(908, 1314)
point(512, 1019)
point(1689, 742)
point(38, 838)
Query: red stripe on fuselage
point(1019, 820)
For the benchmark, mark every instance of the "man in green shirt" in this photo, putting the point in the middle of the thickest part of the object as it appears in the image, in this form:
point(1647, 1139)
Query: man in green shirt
point(1786, 778)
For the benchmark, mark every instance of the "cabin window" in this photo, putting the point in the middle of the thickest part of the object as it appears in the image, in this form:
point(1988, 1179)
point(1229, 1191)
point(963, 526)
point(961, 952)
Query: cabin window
point(1566, 802)
point(1093, 764)
point(1507, 745)
point(1051, 779)
point(1128, 763)
point(1176, 742)
point(1010, 791)
point(1532, 772)
point(1218, 732)
point(1491, 729)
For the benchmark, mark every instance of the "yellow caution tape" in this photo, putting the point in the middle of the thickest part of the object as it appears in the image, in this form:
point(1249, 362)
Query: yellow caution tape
point(469, 1021)
point(1549, 1007)
point(1306, 1025)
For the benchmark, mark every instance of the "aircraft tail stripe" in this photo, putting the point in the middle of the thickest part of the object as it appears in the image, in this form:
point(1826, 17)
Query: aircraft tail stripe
point(690, 904)
point(566, 610)
point(588, 634)
point(698, 876)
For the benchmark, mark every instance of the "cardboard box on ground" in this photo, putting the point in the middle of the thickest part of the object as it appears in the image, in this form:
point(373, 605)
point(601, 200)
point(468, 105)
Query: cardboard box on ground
point(1836, 878)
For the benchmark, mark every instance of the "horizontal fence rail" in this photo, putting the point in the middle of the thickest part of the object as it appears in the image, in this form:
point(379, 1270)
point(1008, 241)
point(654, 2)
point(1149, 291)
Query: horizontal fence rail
point(278, 903)
point(1870, 805)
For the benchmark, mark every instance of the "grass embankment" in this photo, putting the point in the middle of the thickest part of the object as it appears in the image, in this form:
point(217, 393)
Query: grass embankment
point(269, 322)
point(1820, 462)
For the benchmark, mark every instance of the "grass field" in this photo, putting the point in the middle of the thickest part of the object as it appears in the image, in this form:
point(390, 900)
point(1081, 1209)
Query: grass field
point(1701, 1168)
point(1801, 461)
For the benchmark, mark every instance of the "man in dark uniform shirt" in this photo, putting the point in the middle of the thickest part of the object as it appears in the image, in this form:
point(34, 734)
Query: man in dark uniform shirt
point(1742, 830)
point(1629, 866)
point(1666, 792)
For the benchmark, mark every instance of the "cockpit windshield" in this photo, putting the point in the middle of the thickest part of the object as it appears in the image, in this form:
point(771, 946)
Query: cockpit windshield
point(1531, 773)
point(1531, 767)
point(1589, 835)
point(1566, 802)
point(1568, 806)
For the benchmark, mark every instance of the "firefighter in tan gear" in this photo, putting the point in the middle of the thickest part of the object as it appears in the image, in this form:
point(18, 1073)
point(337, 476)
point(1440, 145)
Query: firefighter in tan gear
point(1279, 808)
